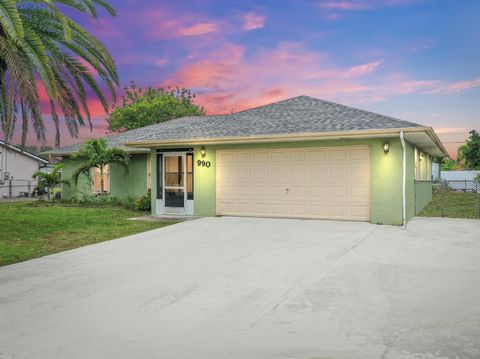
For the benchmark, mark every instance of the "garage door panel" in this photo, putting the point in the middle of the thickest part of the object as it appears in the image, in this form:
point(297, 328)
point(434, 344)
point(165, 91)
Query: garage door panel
point(279, 209)
point(337, 173)
point(359, 211)
point(260, 191)
point(298, 210)
point(226, 190)
point(298, 156)
point(245, 191)
point(243, 157)
point(278, 156)
point(278, 174)
point(278, 191)
point(318, 192)
point(317, 155)
point(360, 154)
point(261, 157)
point(311, 182)
point(297, 174)
point(337, 155)
point(243, 173)
point(262, 209)
point(298, 191)
point(260, 174)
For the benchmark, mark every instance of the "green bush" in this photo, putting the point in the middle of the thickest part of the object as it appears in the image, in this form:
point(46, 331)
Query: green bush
point(144, 203)
point(100, 200)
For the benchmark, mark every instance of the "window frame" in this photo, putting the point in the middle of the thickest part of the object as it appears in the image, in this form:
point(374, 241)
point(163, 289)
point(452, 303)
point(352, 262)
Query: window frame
point(159, 182)
point(190, 194)
point(92, 176)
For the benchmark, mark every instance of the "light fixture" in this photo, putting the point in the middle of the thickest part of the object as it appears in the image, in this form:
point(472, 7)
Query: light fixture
point(386, 147)
point(203, 151)
point(421, 156)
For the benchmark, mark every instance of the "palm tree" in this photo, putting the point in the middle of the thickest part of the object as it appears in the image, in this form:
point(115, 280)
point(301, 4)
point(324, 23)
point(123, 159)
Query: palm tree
point(50, 180)
point(461, 153)
point(96, 154)
point(41, 47)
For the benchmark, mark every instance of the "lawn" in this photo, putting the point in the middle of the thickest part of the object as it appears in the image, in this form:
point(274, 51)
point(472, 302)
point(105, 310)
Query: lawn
point(456, 205)
point(28, 230)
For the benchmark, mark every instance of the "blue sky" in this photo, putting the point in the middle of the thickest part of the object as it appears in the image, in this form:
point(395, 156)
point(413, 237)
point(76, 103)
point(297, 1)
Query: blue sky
point(416, 60)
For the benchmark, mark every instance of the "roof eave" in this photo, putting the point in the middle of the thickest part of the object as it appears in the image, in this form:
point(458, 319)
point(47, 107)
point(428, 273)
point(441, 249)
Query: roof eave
point(69, 153)
point(311, 136)
point(26, 153)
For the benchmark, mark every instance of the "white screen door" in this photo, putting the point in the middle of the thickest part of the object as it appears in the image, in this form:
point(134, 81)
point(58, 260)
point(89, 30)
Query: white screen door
point(174, 194)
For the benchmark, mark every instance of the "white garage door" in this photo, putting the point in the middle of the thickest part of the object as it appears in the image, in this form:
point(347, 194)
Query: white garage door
point(331, 183)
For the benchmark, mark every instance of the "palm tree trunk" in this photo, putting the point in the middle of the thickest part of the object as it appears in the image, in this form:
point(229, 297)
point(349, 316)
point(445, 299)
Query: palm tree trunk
point(102, 190)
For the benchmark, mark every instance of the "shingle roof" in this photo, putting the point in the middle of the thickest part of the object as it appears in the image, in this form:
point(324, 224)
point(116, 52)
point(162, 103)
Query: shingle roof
point(296, 115)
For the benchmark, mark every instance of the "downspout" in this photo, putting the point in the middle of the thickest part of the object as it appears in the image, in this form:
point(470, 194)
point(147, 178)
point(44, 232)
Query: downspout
point(404, 180)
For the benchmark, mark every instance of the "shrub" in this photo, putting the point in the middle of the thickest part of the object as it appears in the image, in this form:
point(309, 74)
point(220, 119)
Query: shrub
point(144, 203)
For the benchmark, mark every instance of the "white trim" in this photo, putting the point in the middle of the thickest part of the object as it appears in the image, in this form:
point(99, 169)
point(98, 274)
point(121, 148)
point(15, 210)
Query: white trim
point(435, 148)
point(175, 210)
point(28, 154)
point(404, 179)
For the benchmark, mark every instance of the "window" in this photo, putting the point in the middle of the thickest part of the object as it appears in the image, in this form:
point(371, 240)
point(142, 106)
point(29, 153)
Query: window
point(189, 176)
point(96, 181)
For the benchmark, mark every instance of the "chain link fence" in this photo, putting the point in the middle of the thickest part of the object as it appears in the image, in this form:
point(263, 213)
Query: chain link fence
point(447, 198)
point(18, 188)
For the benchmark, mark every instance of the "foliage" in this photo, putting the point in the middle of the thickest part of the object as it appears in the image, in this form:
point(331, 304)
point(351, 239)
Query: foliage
point(39, 43)
point(477, 178)
point(105, 200)
point(95, 153)
point(47, 228)
point(142, 107)
point(461, 153)
point(144, 203)
point(48, 181)
point(471, 152)
point(448, 165)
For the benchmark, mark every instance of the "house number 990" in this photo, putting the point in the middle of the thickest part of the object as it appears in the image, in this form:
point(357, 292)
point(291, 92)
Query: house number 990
point(201, 163)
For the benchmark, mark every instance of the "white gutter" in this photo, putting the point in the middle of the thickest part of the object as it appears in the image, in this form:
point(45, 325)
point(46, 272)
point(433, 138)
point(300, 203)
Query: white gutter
point(404, 180)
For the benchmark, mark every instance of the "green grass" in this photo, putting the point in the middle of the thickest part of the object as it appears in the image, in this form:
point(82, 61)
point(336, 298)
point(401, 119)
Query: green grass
point(456, 205)
point(31, 230)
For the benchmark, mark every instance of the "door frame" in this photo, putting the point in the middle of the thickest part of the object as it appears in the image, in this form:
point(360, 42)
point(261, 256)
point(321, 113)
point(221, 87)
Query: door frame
point(175, 210)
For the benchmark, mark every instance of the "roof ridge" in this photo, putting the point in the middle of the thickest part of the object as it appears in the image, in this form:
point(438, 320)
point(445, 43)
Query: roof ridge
point(359, 109)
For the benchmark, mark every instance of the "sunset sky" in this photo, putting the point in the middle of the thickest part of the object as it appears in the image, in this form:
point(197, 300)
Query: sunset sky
point(417, 60)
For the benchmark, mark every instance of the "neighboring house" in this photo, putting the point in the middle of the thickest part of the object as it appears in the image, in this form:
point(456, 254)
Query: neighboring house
point(461, 180)
point(459, 175)
point(300, 158)
point(16, 170)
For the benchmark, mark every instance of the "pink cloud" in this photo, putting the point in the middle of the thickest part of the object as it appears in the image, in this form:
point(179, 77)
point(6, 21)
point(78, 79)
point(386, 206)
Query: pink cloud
point(362, 69)
point(226, 80)
point(454, 87)
point(253, 21)
point(344, 5)
point(359, 5)
point(200, 28)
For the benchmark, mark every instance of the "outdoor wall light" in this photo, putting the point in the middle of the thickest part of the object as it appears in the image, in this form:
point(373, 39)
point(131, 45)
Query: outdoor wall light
point(203, 151)
point(386, 147)
point(421, 156)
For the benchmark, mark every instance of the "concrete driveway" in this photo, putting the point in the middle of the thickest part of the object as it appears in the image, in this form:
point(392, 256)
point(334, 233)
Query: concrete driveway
point(252, 288)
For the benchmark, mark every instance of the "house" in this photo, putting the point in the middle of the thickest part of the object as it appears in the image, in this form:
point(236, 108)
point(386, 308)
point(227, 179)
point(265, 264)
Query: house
point(301, 158)
point(16, 170)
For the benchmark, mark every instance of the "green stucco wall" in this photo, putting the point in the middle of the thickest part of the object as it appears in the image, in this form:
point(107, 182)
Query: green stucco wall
point(386, 176)
point(122, 185)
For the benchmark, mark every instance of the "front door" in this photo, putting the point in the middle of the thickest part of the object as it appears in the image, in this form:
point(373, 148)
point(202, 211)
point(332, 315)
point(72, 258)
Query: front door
point(174, 194)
